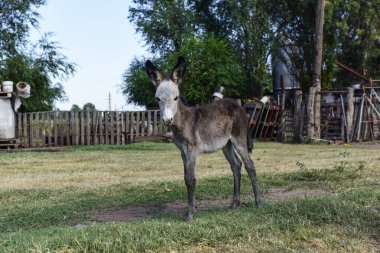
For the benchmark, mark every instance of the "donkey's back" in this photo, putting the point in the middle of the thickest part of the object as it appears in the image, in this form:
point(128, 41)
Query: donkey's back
point(211, 126)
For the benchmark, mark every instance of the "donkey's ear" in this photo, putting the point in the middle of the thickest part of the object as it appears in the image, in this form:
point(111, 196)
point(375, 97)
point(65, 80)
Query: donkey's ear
point(154, 75)
point(178, 71)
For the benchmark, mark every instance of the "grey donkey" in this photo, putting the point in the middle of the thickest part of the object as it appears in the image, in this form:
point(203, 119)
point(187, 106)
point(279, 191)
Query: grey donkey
point(204, 129)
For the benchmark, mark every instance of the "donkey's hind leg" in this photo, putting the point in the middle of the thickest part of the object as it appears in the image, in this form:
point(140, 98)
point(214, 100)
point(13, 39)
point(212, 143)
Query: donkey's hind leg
point(235, 163)
point(241, 148)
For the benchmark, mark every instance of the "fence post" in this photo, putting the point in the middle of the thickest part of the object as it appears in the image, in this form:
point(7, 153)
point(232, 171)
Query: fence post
point(310, 114)
point(350, 114)
point(297, 116)
point(101, 122)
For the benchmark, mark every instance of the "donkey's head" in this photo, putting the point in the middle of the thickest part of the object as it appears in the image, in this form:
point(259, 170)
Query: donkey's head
point(167, 92)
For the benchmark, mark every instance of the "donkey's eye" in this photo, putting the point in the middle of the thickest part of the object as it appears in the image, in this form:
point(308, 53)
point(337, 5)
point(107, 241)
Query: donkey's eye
point(175, 98)
point(158, 99)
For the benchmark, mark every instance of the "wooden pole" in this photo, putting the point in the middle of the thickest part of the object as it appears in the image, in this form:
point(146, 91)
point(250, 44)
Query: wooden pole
point(297, 117)
point(310, 112)
point(319, 19)
point(350, 114)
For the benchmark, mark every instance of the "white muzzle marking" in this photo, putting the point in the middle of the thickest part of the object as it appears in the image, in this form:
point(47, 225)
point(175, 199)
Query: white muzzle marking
point(167, 116)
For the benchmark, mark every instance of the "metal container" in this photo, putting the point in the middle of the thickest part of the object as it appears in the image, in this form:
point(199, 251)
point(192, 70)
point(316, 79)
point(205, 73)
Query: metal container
point(7, 119)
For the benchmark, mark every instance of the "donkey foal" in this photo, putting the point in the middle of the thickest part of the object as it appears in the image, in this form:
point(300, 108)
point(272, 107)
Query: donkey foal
point(220, 125)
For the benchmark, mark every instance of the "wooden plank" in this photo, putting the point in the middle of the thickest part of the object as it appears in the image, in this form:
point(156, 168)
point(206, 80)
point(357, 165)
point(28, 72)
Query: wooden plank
point(67, 128)
point(31, 144)
point(19, 127)
point(49, 128)
point(55, 129)
point(82, 123)
point(131, 126)
point(117, 128)
point(112, 128)
point(142, 125)
point(149, 123)
point(88, 128)
point(101, 127)
point(38, 128)
point(155, 123)
point(107, 127)
point(137, 124)
point(74, 129)
point(127, 127)
point(43, 128)
point(122, 128)
point(95, 127)
point(25, 130)
point(150, 138)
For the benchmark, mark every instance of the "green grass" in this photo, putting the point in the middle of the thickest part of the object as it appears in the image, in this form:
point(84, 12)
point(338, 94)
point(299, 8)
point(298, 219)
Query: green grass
point(44, 196)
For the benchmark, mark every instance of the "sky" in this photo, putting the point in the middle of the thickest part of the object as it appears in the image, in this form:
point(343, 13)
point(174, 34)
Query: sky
point(97, 36)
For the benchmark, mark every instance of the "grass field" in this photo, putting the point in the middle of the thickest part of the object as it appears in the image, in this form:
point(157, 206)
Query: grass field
point(56, 202)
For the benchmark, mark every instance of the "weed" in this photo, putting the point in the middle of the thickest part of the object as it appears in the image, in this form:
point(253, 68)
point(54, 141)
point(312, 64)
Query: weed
point(361, 166)
point(341, 166)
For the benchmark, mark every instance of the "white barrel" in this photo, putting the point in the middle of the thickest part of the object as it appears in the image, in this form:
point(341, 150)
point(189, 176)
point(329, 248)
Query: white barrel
point(23, 89)
point(7, 86)
point(7, 120)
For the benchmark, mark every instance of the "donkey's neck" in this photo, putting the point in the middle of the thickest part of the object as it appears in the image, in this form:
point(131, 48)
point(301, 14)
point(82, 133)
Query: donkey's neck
point(183, 116)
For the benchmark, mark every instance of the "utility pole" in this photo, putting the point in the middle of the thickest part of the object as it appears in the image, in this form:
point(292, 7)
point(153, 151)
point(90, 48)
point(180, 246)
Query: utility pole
point(314, 111)
point(109, 101)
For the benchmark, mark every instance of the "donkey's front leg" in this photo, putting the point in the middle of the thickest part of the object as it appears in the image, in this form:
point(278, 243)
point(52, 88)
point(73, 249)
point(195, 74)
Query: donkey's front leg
point(190, 181)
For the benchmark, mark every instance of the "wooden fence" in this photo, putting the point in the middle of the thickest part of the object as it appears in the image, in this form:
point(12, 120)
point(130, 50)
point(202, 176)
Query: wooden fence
point(64, 128)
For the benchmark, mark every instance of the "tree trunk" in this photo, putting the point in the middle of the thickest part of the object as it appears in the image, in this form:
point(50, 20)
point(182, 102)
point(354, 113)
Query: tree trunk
point(319, 18)
point(310, 113)
point(297, 116)
point(350, 114)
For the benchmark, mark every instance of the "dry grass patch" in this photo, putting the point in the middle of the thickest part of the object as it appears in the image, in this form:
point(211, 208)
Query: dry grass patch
point(84, 168)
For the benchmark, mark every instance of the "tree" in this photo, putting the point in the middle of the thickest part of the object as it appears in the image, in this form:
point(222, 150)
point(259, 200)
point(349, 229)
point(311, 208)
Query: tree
point(255, 30)
point(314, 130)
point(246, 26)
point(210, 63)
point(243, 24)
point(75, 107)
point(89, 107)
point(136, 87)
point(16, 19)
point(351, 29)
point(40, 64)
point(162, 23)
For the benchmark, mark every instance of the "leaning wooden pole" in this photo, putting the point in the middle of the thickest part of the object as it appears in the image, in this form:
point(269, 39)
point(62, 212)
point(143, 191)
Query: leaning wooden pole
point(317, 68)
point(350, 114)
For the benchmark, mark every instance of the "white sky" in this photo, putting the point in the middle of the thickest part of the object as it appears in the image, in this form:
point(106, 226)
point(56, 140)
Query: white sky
point(97, 35)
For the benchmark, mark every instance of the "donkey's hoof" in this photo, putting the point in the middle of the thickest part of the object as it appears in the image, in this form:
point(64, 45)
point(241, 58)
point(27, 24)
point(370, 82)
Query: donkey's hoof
point(188, 217)
point(259, 203)
point(235, 204)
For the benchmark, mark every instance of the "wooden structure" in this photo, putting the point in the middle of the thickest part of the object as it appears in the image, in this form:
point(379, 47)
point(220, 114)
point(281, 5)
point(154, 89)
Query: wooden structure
point(65, 128)
point(263, 120)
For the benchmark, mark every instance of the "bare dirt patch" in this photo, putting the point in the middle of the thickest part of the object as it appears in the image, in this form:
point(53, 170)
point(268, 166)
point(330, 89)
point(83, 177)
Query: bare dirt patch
point(139, 212)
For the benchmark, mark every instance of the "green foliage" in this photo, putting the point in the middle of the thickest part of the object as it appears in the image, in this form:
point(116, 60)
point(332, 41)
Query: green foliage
point(40, 64)
point(255, 30)
point(210, 62)
point(75, 107)
point(16, 19)
point(136, 87)
point(89, 107)
point(162, 23)
point(351, 29)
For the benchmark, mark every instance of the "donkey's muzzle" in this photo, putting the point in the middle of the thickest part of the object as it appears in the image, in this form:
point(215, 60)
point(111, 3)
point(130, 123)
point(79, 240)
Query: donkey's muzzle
point(168, 121)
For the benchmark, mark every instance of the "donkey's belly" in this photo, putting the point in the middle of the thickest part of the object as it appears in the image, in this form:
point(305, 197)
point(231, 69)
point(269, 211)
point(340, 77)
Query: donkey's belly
point(214, 145)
